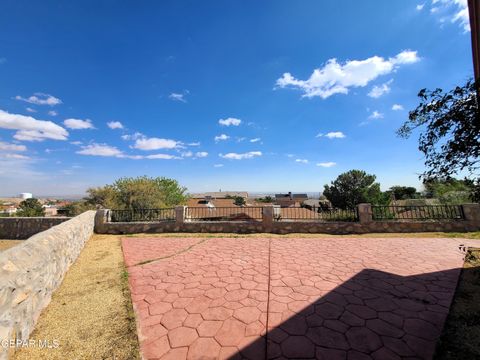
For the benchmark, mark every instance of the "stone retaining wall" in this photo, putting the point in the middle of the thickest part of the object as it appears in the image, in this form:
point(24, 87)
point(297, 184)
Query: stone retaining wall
point(31, 271)
point(268, 225)
point(24, 227)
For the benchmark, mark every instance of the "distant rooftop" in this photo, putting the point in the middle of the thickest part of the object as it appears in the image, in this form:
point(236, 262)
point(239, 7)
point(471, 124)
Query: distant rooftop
point(219, 194)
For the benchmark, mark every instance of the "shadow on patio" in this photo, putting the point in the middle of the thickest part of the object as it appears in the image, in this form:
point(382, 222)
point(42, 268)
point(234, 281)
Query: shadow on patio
point(373, 315)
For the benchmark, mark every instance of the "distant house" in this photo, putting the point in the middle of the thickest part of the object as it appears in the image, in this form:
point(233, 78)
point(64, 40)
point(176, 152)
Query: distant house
point(317, 204)
point(287, 200)
point(214, 195)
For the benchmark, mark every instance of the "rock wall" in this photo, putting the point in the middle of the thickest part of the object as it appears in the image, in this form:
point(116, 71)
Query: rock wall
point(31, 271)
point(24, 227)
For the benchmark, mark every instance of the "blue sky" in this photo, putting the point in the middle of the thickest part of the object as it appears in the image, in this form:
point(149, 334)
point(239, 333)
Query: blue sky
point(240, 95)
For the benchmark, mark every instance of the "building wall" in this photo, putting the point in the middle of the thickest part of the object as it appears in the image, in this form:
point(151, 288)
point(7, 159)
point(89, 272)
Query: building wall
point(24, 227)
point(31, 271)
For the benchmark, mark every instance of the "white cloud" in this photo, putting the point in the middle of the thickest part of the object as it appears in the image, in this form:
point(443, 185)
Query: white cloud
point(303, 161)
point(194, 144)
point(337, 78)
point(177, 97)
point(145, 143)
point(419, 7)
point(376, 115)
point(40, 99)
point(218, 165)
point(14, 156)
point(379, 90)
point(333, 135)
point(76, 143)
point(115, 125)
point(52, 113)
point(134, 136)
point(162, 157)
point(455, 11)
point(201, 154)
point(30, 110)
point(78, 124)
point(230, 122)
point(326, 164)
point(237, 156)
point(255, 140)
point(222, 137)
point(187, 154)
point(100, 150)
point(11, 147)
point(31, 129)
point(397, 107)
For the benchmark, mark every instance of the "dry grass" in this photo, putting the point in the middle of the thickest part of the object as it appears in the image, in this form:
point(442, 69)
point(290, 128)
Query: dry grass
point(460, 337)
point(7, 244)
point(91, 313)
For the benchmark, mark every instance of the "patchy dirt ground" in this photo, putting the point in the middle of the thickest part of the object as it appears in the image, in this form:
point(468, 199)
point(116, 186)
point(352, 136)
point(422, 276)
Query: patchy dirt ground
point(7, 244)
point(90, 314)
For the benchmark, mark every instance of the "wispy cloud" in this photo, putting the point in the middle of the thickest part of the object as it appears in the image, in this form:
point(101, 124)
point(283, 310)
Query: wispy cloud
point(255, 140)
point(237, 156)
point(11, 147)
point(31, 129)
point(78, 124)
point(115, 125)
point(30, 110)
point(221, 137)
point(40, 99)
point(230, 122)
point(397, 107)
point(420, 7)
point(147, 144)
point(218, 165)
point(326, 164)
point(177, 97)
point(455, 11)
point(333, 135)
point(338, 78)
point(380, 90)
point(52, 113)
point(376, 115)
point(201, 154)
point(100, 150)
point(302, 161)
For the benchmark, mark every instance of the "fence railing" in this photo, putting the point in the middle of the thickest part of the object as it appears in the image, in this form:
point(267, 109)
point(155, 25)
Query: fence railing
point(144, 215)
point(423, 212)
point(314, 214)
point(247, 213)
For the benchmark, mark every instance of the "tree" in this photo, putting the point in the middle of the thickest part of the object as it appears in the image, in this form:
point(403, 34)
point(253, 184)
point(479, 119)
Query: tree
point(30, 208)
point(239, 201)
point(450, 190)
point(266, 199)
point(451, 140)
point(76, 208)
point(352, 188)
point(138, 193)
point(403, 192)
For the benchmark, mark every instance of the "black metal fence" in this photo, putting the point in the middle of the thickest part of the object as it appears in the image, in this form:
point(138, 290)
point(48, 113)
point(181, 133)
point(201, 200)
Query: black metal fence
point(147, 215)
point(423, 212)
point(237, 213)
point(313, 213)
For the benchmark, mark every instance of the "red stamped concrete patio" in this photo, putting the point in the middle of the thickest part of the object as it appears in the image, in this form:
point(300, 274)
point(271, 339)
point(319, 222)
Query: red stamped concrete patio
point(260, 298)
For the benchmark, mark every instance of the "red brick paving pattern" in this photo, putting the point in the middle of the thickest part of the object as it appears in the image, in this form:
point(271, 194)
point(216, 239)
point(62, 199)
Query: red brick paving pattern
point(336, 298)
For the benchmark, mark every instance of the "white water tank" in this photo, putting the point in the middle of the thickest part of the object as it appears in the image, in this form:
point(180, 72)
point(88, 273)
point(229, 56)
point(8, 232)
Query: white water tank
point(26, 195)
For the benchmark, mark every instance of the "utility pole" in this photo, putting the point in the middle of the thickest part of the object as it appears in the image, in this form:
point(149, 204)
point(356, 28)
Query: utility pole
point(474, 14)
